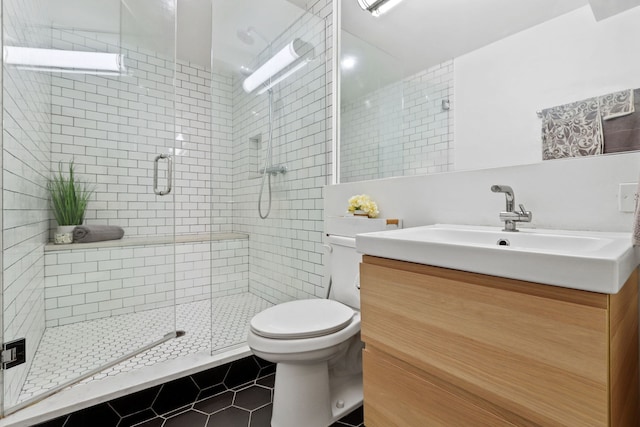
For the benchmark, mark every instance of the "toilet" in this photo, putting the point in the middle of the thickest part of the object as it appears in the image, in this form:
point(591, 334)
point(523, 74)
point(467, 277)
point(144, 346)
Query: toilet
point(316, 342)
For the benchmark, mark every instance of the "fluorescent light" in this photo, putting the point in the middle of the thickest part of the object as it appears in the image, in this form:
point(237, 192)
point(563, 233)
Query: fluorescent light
point(378, 7)
point(385, 7)
point(348, 62)
point(366, 4)
point(62, 60)
point(289, 54)
point(283, 76)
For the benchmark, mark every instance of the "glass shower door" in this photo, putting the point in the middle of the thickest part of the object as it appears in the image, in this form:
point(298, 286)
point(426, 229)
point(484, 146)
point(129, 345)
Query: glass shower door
point(84, 307)
point(278, 130)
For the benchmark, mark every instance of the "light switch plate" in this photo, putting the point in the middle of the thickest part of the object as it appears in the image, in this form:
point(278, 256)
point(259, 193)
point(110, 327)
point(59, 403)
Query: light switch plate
point(627, 197)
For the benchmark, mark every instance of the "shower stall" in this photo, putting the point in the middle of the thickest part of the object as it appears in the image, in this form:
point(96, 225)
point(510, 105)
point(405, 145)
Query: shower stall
point(176, 152)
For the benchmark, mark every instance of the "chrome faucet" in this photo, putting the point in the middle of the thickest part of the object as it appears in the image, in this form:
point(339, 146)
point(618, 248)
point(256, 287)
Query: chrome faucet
point(510, 216)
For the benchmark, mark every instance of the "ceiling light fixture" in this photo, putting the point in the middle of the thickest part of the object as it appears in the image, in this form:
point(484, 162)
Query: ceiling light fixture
point(378, 7)
point(283, 76)
point(63, 60)
point(296, 50)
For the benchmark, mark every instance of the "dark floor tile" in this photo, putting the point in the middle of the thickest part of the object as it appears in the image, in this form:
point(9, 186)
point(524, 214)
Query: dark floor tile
point(58, 422)
point(354, 418)
point(215, 403)
point(135, 402)
point(211, 377)
point(137, 418)
point(230, 417)
point(175, 394)
point(268, 370)
point(96, 416)
point(189, 418)
point(155, 422)
point(211, 391)
point(177, 411)
point(252, 397)
point(268, 381)
point(241, 372)
point(263, 363)
point(261, 417)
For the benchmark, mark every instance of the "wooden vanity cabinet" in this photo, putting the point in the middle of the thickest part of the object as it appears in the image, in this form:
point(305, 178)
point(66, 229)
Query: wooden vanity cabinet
point(451, 348)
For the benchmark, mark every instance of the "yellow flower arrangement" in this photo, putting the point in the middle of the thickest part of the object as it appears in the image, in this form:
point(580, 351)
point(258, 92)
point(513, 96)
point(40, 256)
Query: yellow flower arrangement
point(362, 202)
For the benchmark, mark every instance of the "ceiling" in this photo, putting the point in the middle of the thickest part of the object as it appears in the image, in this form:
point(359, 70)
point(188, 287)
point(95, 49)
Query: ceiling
point(420, 32)
point(150, 23)
point(269, 18)
point(417, 34)
point(413, 36)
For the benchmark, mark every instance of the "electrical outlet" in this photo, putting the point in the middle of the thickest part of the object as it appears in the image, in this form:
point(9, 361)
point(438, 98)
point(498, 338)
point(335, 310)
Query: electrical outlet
point(627, 197)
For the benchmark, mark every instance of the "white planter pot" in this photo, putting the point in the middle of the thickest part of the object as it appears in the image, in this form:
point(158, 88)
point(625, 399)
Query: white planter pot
point(63, 235)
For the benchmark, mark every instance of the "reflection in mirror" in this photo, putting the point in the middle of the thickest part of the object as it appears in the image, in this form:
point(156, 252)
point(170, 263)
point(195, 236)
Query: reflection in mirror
point(391, 125)
point(501, 70)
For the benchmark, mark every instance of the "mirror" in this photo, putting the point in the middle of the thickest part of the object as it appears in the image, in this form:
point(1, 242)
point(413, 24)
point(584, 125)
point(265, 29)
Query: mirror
point(455, 85)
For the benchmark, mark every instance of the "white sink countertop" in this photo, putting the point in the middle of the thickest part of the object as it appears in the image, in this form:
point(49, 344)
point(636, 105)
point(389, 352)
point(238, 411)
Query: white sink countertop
point(591, 261)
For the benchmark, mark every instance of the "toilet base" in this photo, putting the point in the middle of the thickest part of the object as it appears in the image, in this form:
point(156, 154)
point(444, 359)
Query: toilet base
point(307, 395)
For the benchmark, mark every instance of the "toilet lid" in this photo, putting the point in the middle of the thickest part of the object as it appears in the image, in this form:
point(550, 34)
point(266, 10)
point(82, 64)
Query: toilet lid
point(302, 319)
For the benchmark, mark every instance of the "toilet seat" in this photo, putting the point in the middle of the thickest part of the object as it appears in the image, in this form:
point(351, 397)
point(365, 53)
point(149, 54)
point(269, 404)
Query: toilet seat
point(302, 319)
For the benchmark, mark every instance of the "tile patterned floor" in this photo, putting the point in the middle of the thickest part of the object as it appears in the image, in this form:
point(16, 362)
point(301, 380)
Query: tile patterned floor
point(238, 394)
point(68, 351)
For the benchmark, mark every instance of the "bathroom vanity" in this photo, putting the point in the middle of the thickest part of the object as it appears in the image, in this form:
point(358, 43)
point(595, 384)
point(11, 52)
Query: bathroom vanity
point(446, 347)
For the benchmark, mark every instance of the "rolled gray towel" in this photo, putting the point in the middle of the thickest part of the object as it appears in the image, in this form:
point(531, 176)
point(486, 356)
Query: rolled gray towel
point(96, 233)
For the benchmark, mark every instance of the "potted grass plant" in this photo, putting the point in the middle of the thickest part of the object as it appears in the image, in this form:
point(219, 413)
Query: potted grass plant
point(69, 199)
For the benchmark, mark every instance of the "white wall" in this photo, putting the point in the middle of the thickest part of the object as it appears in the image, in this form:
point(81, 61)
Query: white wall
point(499, 88)
point(572, 194)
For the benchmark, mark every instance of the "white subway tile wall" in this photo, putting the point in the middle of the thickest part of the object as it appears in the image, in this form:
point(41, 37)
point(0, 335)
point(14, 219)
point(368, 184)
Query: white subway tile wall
point(25, 159)
point(114, 126)
point(86, 284)
point(401, 129)
point(285, 254)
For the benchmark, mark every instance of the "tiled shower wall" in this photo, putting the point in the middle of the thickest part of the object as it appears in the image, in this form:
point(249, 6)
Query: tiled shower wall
point(86, 284)
point(26, 128)
point(114, 126)
point(401, 129)
point(285, 254)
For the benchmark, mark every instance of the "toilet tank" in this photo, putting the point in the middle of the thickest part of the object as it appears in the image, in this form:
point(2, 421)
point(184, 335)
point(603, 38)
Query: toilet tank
point(344, 267)
point(344, 260)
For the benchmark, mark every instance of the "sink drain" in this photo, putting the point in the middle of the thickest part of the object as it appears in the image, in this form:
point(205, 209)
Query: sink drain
point(503, 242)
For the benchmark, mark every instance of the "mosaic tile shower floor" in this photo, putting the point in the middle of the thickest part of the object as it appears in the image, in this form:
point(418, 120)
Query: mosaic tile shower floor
point(68, 351)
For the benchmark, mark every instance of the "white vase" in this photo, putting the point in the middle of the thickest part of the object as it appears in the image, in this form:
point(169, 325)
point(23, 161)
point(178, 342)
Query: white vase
point(359, 212)
point(63, 235)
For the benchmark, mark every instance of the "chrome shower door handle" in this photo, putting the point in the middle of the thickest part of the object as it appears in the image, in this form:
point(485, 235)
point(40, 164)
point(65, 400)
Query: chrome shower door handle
point(155, 174)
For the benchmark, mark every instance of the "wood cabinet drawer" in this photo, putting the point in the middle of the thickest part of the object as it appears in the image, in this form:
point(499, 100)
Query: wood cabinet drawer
point(537, 351)
point(394, 396)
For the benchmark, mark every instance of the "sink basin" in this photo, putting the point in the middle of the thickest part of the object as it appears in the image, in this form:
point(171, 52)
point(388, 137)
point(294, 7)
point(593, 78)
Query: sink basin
point(591, 261)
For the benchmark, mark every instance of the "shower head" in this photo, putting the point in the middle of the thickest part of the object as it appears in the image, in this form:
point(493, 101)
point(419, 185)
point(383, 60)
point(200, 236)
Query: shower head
point(245, 36)
point(245, 71)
